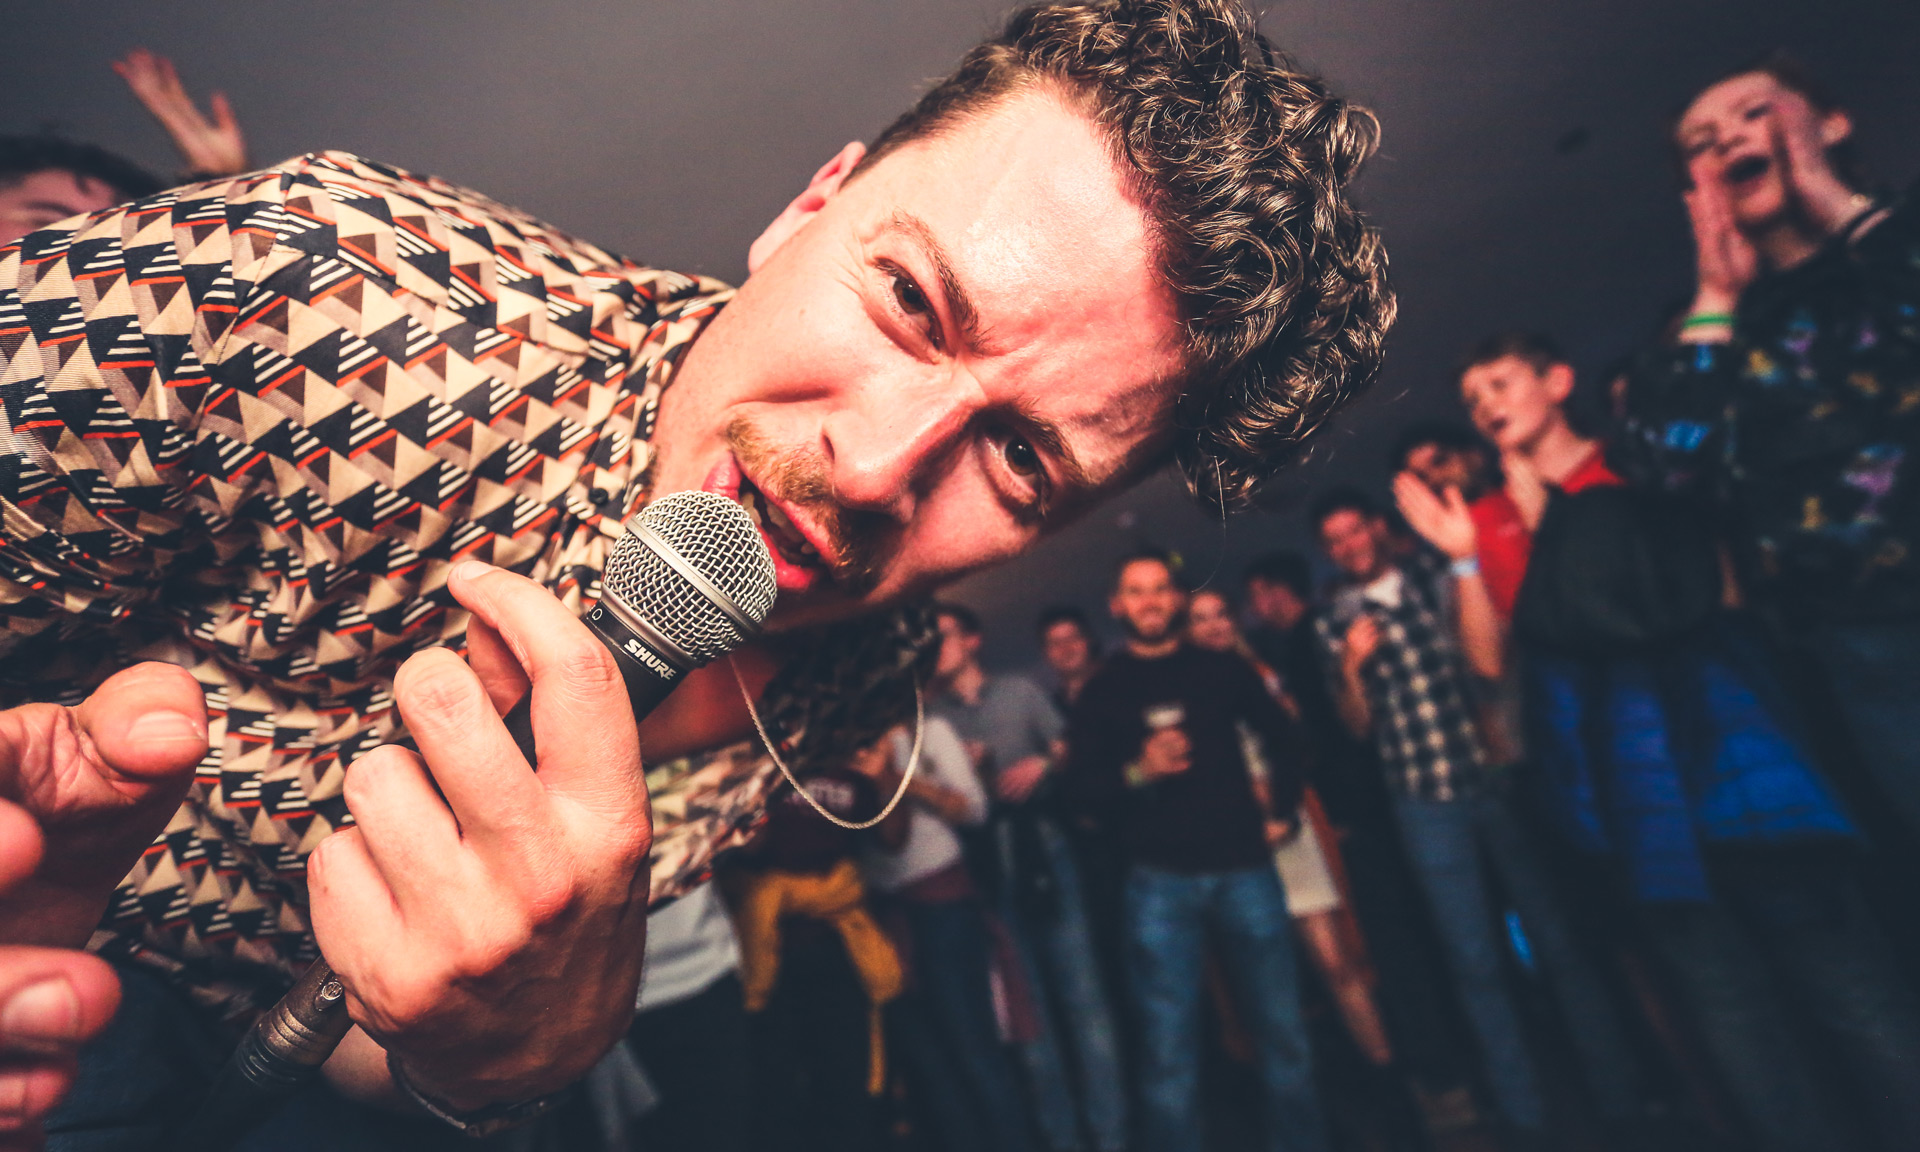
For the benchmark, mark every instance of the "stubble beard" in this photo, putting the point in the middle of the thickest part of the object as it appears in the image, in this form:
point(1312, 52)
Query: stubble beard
point(800, 479)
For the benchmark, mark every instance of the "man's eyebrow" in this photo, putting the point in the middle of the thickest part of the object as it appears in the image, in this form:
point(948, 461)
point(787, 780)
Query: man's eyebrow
point(1047, 437)
point(965, 316)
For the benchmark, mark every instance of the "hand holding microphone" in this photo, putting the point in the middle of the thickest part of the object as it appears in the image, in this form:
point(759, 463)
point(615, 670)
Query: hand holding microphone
point(486, 916)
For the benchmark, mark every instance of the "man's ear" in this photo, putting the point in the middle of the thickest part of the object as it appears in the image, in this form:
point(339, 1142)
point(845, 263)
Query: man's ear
point(1835, 126)
point(1559, 381)
point(822, 188)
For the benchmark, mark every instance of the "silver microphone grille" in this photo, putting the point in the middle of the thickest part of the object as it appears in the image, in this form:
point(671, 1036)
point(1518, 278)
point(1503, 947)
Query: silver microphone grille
point(716, 537)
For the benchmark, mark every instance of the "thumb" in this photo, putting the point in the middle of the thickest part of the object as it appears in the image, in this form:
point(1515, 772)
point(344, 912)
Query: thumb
point(149, 722)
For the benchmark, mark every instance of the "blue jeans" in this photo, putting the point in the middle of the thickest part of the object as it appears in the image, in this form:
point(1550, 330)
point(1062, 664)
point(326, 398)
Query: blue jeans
point(1056, 947)
point(1170, 917)
point(1443, 845)
point(1874, 671)
point(944, 1030)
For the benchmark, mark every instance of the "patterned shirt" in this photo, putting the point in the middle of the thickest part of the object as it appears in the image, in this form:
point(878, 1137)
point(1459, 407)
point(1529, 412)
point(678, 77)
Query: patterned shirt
point(1416, 684)
point(1805, 428)
point(248, 426)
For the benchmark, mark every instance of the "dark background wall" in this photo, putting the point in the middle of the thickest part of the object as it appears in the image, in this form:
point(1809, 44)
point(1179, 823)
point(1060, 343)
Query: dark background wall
point(1524, 179)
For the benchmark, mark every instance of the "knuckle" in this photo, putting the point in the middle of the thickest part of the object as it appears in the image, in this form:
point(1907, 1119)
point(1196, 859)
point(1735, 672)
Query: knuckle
point(548, 895)
point(437, 685)
point(586, 669)
point(368, 776)
point(322, 860)
point(484, 949)
point(399, 998)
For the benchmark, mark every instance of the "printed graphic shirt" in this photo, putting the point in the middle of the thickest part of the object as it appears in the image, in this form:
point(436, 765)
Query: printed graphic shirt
point(248, 426)
point(1806, 426)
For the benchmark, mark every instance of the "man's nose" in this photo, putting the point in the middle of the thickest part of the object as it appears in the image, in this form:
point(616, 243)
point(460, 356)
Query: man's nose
point(884, 444)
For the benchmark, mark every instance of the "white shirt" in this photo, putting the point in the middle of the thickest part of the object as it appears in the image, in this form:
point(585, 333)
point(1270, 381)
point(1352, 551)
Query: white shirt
point(931, 845)
point(690, 944)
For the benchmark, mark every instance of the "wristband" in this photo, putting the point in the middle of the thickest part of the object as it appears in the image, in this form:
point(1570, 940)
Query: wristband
point(1703, 319)
point(1464, 567)
point(488, 1121)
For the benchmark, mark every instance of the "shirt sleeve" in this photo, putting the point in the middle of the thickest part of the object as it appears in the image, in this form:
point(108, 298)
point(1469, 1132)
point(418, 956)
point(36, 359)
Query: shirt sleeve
point(1675, 435)
point(944, 758)
point(1277, 736)
point(113, 342)
point(1048, 726)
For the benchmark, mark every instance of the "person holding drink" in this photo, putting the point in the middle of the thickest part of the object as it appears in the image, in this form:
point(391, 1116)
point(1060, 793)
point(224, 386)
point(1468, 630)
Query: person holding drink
point(1156, 757)
point(1400, 681)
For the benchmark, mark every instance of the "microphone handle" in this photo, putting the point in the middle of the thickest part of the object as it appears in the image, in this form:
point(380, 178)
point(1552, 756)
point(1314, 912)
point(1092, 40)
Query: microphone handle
point(291, 1040)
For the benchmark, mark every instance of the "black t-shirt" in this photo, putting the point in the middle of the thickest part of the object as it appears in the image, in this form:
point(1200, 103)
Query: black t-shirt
point(798, 839)
point(1205, 819)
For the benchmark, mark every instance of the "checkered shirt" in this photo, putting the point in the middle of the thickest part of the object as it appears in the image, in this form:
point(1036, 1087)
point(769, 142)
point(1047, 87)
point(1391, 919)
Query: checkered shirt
point(1417, 689)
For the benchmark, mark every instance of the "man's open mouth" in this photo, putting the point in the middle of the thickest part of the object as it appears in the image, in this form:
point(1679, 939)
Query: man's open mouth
point(797, 563)
point(774, 525)
point(1747, 169)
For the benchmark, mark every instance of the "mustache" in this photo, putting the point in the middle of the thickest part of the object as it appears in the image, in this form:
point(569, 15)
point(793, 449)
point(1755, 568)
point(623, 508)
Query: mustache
point(856, 539)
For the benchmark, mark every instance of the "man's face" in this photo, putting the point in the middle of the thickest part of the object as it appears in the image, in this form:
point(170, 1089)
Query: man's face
point(1352, 541)
point(1512, 403)
point(1443, 468)
point(1274, 604)
point(1210, 622)
point(1146, 601)
point(934, 363)
point(958, 647)
point(45, 197)
point(1737, 132)
point(1064, 647)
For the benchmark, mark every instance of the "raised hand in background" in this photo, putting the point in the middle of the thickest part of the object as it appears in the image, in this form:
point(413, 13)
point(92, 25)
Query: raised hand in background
point(210, 147)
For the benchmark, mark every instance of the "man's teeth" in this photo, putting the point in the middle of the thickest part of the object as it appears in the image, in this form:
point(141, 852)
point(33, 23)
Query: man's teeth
point(775, 525)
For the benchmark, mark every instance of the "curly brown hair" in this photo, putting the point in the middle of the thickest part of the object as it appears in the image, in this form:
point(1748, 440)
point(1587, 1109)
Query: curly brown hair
point(1243, 163)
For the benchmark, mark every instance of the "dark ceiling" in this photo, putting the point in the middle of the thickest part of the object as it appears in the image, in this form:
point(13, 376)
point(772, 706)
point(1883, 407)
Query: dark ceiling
point(1523, 180)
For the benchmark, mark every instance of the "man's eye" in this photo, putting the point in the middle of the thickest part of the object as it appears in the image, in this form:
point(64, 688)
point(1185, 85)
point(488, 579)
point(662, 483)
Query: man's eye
point(1021, 457)
point(909, 295)
point(1758, 110)
point(914, 302)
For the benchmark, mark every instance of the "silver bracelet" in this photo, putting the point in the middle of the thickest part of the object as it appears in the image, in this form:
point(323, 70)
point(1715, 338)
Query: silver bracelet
point(480, 1123)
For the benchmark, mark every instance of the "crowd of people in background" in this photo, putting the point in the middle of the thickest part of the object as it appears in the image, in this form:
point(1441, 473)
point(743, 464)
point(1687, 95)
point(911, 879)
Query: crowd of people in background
point(1571, 805)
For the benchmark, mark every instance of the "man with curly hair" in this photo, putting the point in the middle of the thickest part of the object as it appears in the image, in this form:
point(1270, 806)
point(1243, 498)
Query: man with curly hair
point(297, 462)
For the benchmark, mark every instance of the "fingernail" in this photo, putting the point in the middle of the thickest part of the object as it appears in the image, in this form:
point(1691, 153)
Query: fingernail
point(48, 1010)
point(167, 726)
point(470, 569)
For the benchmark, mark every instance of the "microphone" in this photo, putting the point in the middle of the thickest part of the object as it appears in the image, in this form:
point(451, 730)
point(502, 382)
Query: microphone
point(689, 581)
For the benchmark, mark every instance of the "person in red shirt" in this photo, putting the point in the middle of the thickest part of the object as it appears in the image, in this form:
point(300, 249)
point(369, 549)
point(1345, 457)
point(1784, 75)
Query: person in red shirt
point(1516, 387)
point(1669, 754)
